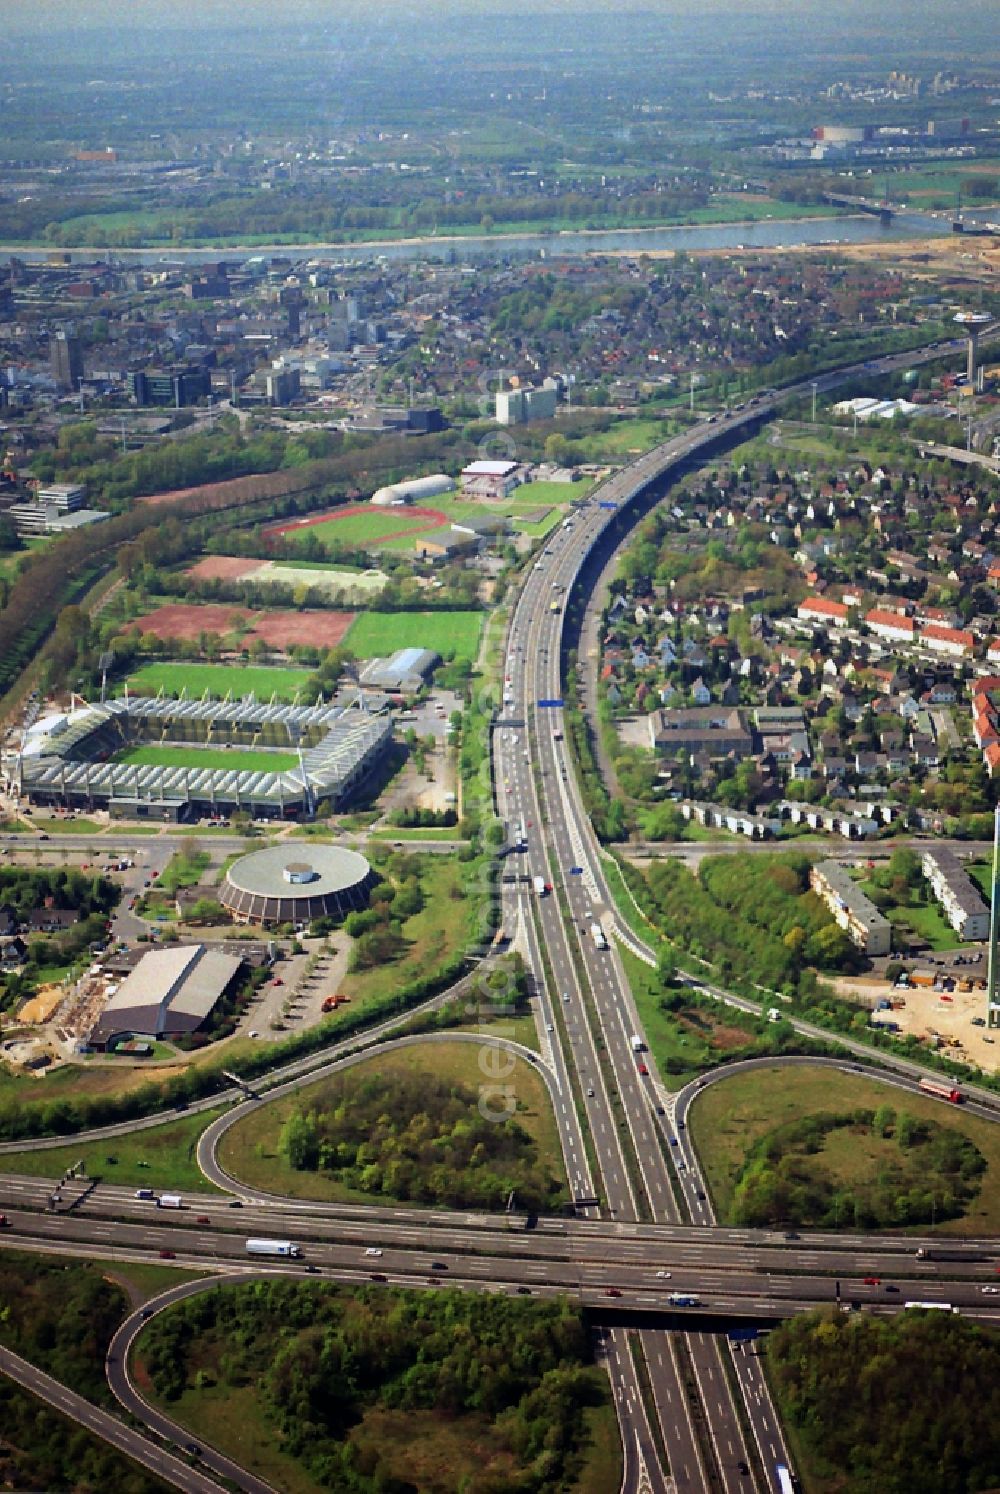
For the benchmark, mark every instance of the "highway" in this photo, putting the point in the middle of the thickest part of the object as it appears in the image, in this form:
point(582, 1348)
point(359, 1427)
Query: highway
point(615, 1118)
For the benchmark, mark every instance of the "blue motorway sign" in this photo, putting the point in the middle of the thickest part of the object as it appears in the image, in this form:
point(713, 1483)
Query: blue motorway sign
point(549, 704)
point(605, 504)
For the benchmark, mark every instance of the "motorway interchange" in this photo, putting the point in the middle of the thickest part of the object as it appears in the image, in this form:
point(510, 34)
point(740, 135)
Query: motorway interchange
point(695, 1411)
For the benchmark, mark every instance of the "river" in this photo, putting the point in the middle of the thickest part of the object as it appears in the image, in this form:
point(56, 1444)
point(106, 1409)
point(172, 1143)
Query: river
point(774, 233)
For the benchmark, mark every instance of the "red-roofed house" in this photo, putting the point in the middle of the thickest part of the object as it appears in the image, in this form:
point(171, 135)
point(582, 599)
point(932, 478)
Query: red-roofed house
point(819, 609)
point(953, 641)
point(991, 757)
point(890, 625)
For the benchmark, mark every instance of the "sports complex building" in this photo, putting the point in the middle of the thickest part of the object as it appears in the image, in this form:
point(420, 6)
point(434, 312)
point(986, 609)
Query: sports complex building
point(282, 884)
point(71, 759)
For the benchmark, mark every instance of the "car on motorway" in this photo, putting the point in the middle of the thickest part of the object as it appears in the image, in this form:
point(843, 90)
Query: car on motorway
point(872, 1281)
point(235, 1203)
point(590, 1093)
point(663, 1275)
point(674, 1141)
point(373, 1250)
point(147, 1312)
point(377, 1276)
point(438, 1266)
point(4, 1222)
point(523, 1291)
point(565, 995)
point(642, 1069)
point(202, 1219)
point(989, 1291)
point(612, 1292)
point(168, 1255)
point(192, 1448)
point(743, 1467)
point(549, 1027)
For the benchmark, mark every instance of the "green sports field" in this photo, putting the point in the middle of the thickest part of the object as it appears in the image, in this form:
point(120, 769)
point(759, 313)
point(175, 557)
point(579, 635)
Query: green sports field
point(372, 527)
point(453, 635)
point(193, 756)
point(219, 680)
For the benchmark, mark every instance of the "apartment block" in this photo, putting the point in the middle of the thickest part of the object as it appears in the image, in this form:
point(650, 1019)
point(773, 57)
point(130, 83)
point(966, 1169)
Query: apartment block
point(957, 893)
point(856, 914)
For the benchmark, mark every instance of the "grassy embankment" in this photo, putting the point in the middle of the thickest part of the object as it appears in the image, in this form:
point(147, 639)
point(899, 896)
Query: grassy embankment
point(731, 1115)
point(249, 1150)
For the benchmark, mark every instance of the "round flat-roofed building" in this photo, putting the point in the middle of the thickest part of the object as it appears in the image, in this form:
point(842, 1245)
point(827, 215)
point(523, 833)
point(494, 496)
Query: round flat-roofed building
point(284, 884)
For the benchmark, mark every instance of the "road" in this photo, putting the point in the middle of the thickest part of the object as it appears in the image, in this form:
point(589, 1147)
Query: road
point(164, 1464)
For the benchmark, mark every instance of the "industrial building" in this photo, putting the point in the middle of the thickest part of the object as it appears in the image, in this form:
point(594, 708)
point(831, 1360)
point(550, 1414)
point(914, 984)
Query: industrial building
point(279, 885)
point(856, 914)
point(957, 893)
point(403, 673)
point(169, 994)
point(71, 761)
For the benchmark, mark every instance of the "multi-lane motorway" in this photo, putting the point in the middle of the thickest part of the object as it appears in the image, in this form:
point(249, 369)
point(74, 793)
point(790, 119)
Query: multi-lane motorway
point(682, 1393)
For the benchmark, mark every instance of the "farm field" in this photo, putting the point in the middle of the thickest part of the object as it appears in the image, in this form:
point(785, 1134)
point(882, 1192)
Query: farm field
point(219, 680)
point(451, 634)
point(193, 756)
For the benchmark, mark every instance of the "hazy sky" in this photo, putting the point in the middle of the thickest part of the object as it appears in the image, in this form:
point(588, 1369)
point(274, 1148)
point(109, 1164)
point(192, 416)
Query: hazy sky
point(39, 15)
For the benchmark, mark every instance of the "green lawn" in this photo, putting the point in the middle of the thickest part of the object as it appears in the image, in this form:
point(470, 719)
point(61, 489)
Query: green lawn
point(58, 825)
point(925, 921)
point(162, 1157)
point(981, 873)
point(194, 756)
point(417, 832)
point(451, 634)
point(551, 492)
point(249, 1149)
point(219, 680)
point(729, 1116)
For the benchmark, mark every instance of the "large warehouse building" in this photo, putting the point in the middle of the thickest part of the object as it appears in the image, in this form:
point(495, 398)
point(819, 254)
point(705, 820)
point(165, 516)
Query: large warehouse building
point(72, 761)
point(170, 993)
point(279, 885)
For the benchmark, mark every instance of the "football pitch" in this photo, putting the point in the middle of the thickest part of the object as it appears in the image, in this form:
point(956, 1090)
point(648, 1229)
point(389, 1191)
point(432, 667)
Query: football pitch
point(219, 680)
point(453, 635)
point(231, 760)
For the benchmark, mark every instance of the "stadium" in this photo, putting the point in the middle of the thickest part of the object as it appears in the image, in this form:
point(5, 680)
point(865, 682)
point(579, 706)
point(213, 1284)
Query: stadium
point(277, 885)
point(308, 755)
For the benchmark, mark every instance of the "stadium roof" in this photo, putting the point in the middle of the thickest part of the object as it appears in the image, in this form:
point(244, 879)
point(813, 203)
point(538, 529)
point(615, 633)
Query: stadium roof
point(334, 744)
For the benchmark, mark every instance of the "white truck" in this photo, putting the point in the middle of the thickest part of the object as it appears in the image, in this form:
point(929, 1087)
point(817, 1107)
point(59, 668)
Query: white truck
point(598, 936)
point(170, 1201)
point(682, 1299)
point(638, 1046)
point(273, 1247)
point(540, 885)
